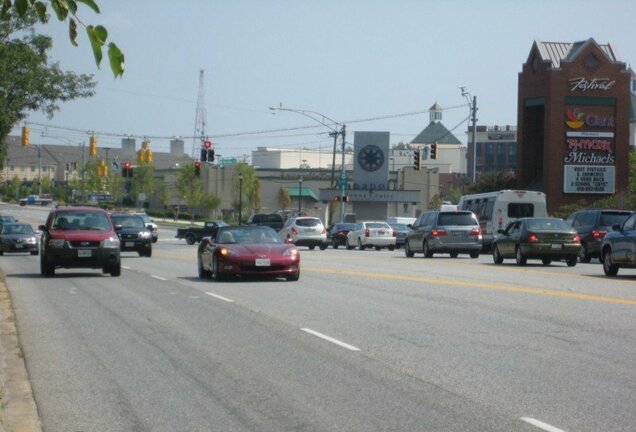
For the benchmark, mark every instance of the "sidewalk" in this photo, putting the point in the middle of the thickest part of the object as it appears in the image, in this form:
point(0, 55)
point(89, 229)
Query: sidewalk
point(18, 412)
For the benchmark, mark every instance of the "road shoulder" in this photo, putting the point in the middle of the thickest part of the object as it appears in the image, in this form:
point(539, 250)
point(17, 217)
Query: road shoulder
point(18, 412)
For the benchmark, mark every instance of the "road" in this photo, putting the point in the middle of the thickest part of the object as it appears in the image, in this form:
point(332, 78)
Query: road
point(365, 341)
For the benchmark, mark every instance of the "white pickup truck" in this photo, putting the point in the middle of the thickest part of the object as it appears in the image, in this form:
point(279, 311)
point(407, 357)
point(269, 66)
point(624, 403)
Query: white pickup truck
point(42, 200)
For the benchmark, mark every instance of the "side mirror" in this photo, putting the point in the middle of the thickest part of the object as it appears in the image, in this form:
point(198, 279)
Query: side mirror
point(149, 226)
point(42, 227)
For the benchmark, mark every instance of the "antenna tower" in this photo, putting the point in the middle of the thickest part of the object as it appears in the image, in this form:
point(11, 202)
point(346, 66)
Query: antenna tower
point(200, 119)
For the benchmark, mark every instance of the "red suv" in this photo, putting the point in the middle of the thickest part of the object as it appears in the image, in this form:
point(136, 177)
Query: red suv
point(79, 237)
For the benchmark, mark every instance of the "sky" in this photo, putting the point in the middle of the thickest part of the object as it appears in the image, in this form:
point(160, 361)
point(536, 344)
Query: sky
point(371, 65)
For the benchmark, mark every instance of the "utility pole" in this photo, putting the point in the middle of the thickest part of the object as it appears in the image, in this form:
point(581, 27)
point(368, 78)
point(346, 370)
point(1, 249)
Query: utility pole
point(472, 104)
point(343, 176)
point(39, 170)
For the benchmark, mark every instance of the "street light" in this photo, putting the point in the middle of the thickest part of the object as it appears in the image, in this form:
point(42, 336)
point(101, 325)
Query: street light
point(337, 129)
point(300, 195)
point(240, 198)
point(472, 104)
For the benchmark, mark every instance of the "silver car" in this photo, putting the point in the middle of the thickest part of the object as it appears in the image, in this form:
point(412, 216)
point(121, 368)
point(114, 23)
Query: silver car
point(305, 231)
point(371, 234)
point(451, 232)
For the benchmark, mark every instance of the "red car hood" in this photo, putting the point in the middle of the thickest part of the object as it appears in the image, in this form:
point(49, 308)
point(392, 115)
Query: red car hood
point(79, 235)
point(259, 249)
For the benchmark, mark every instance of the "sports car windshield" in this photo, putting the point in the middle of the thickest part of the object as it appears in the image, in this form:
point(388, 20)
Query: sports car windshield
point(248, 235)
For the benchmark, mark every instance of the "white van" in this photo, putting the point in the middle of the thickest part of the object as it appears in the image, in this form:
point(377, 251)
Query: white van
point(495, 210)
point(401, 220)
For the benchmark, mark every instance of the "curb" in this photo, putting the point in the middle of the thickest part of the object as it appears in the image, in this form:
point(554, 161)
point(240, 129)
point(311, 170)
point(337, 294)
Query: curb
point(18, 412)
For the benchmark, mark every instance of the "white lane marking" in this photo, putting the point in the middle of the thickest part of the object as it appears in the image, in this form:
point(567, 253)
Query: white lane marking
point(330, 339)
point(541, 425)
point(125, 267)
point(225, 299)
point(158, 277)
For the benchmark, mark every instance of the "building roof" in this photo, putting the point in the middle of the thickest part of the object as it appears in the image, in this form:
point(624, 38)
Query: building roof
point(557, 52)
point(435, 132)
point(53, 154)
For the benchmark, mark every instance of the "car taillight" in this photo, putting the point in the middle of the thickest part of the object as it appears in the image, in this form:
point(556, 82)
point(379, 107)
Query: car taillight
point(341, 234)
point(394, 233)
point(533, 238)
point(577, 238)
point(366, 232)
point(598, 234)
point(324, 230)
point(438, 232)
point(475, 232)
point(293, 231)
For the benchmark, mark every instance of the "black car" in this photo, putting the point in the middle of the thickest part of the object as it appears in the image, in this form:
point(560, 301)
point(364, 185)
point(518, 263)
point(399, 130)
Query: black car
point(133, 234)
point(402, 231)
point(337, 234)
point(618, 249)
point(592, 225)
point(18, 237)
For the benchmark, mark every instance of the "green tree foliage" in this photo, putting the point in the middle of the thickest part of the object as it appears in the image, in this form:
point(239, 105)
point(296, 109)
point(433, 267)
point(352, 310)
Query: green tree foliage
point(251, 189)
point(67, 10)
point(454, 194)
point(28, 82)
point(189, 186)
point(489, 182)
point(284, 200)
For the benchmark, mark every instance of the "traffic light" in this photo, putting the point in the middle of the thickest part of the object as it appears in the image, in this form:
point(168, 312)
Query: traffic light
point(25, 136)
point(417, 159)
point(204, 155)
point(127, 170)
point(433, 153)
point(347, 198)
point(140, 156)
point(197, 168)
point(336, 198)
point(92, 147)
point(211, 155)
point(148, 158)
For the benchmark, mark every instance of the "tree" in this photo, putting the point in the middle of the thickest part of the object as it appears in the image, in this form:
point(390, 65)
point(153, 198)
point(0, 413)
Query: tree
point(66, 10)
point(284, 200)
point(190, 187)
point(454, 194)
point(489, 182)
point(251, 187)
point(400, 146)
point(28, 82)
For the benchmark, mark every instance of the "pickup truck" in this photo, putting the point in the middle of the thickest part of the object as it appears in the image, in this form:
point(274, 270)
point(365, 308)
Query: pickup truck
point(194, 234)
point(36, 200)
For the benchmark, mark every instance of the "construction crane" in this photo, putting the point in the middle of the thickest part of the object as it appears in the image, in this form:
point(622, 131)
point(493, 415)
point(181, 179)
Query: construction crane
point(200, 118)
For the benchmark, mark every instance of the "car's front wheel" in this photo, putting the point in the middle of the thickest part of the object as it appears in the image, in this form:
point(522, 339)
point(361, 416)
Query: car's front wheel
point(427, 250)
point(334, 244)
point(474, 254)
point(115, 269)
point(496, 256)
point(46, 268)
point(546, 261)
point(189, 238)
point(293, 277)
point(584, 257)
point(572, 260)
point(609, 268)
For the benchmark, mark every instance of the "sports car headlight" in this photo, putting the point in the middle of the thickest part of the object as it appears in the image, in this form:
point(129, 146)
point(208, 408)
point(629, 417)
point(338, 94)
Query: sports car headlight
point(293, 252)
point(56, 243)
point(144, 234)
point(228, 252)
point(112, 242)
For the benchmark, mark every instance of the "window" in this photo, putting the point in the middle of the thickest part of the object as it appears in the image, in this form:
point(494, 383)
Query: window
point(501, 156)
point(456, 219)
point(519, 210)
point(479, 149)
point(490, 154)
point(629, 224)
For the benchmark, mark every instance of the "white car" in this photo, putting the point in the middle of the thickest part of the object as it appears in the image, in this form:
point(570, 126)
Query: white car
point(305, 231)
point(379, 235)
point(151, 225)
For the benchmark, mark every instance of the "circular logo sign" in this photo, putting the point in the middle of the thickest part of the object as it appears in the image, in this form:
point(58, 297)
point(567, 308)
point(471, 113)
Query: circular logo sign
point(371, 158)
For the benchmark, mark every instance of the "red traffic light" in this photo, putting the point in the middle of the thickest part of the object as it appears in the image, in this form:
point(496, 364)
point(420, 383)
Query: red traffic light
point(207, 144)
point(127, 165)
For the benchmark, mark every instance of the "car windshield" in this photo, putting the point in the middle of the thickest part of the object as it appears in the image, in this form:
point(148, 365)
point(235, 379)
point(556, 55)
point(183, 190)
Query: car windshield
point(344, 226)
point(17, 229)
point(400, 227)
point(80, 221)
point(308, 222)
point(457, 219)
point(548, 224)
point(267, 218)
point(610, 219)
point(248, 235)
point(379, 225)
point(128, 221)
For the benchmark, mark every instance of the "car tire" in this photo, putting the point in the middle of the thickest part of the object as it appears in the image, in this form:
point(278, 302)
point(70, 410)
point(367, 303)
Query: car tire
point(154, 240)
point(46, 268)
point(496, 256)
point(1, 253)
point(584, 257)
point(546, 261)
point(203, 273)
point(426, 250)
point(216, 274)
point(360, 247)
point(378, 248)
point(391, 248)
point(312, 247)
point(407, 250)
point(334, 244)
point(323, 246)
point(148, 252)
point(293, 277)
point(521, 260)
point(609, 268)
point(189, 238)
point(572, 260)
point(454, 254)
point(474, 254)
point(115, 269)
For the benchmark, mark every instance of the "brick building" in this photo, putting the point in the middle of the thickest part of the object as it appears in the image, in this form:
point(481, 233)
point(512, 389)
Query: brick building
point(573, 121)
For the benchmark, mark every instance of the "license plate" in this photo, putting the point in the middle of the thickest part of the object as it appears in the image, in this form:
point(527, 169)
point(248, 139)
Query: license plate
point(263, 262)
point(309, 230)
point(557, 246)
point(458, 233)
point(84, 253)
point(130, 244)
point(19, 245)
point(381, 232)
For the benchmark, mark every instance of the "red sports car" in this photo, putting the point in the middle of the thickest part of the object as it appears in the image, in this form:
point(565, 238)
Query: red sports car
point(247, 251)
